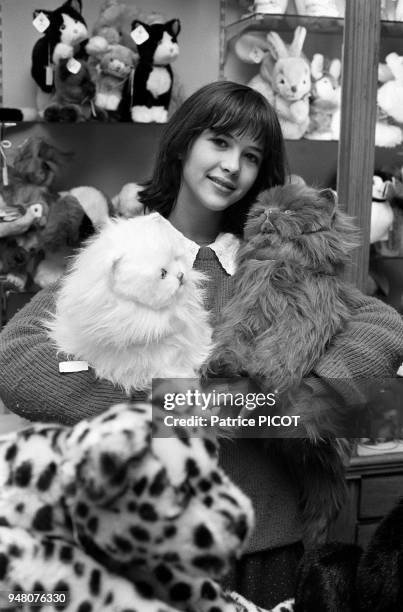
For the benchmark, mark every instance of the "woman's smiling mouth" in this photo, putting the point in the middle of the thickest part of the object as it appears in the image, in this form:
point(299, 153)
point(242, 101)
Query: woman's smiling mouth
point(222, 183)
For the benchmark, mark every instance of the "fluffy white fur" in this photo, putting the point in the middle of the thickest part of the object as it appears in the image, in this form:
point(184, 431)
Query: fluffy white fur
point(132, 306)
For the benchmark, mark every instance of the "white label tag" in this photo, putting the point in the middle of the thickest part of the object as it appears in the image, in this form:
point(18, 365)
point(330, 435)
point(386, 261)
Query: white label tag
point(139, 35)
point(73, 65)
point(41, 22)
point(49, 75)
point(5, 175)
point(73, 366)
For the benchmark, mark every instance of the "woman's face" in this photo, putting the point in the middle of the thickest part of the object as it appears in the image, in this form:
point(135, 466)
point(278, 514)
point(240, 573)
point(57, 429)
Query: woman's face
point(219, 170)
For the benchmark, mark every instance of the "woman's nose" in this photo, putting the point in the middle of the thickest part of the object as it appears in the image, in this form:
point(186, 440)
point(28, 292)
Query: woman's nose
point(231, 161)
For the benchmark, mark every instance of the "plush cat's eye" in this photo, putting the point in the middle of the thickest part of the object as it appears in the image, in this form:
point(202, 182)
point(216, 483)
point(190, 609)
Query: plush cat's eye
point(163, 273)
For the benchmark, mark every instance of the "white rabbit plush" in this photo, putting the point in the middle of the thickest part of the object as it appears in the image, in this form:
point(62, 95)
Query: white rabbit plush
point(284, 77)
point(325, 99)
point(390, 103)
point(270, 6)
point(392, 10)
point(320, 8)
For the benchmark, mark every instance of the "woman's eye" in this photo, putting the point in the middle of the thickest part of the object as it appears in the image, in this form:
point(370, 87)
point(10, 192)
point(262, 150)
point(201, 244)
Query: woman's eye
point(163, 273)
point(62, 27)
point(252, 158)
point(220, 142)
point(288, 212)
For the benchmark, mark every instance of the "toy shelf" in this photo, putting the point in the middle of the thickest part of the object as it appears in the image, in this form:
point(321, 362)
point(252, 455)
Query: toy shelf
point(286, 22)
point(283, 23)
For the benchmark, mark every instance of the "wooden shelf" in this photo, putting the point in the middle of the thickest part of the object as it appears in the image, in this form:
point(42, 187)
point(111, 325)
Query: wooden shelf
point(385, 462)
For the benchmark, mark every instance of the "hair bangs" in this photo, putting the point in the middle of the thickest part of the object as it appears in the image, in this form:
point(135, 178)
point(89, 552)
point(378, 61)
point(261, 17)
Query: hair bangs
point(241, 117)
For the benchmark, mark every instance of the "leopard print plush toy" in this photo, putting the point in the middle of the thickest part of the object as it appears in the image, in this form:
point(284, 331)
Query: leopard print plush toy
point(117, 519)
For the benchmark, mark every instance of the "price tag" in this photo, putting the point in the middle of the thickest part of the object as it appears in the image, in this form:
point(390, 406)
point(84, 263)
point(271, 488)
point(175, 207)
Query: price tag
point(36, 210)
point(73, 366)
point(49, 75)
point(73, 65)
point(139, 35)
point(41, 22)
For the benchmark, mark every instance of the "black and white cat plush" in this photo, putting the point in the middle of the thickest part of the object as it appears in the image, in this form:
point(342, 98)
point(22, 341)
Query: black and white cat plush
point(158, 48)
point(63, 38)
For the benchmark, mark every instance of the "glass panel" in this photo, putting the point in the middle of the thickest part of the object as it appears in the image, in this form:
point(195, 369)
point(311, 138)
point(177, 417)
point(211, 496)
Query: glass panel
point(254, 33)
point(386, 250)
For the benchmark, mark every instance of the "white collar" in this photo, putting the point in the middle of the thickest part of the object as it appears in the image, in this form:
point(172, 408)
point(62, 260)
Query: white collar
point(225, 246)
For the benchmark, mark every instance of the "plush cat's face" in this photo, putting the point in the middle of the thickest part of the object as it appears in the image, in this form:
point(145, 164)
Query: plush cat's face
point(300, 224)
point(147, 263)
point(287, 212)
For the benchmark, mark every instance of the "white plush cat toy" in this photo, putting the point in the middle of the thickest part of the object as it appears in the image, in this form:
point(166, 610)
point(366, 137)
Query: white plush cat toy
point(132, 306)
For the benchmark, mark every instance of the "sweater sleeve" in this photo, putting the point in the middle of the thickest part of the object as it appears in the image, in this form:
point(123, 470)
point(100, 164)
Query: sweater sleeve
point(30, 382)
point(370, 346)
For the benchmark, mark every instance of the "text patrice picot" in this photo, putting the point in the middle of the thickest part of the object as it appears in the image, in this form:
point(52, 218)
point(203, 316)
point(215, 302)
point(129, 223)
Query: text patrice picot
point(204, 401)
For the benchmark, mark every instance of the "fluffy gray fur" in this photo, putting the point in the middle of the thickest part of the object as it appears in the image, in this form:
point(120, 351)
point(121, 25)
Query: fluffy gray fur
point(289, 302)
point(289, 299)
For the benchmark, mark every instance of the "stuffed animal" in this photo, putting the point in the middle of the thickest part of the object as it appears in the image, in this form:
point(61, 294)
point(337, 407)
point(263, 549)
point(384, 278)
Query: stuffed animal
point(29, 193)
point(348, 578)
point(126, 203)
point(321, 8)
point(381, 211)
point(114, 517)
point(74, 97)
point(392, 245)
point(284, 78)
point(43, 222)
point(16, 264)
point(75, 216)
point(112, 27)
point(115, 67)
point(138, 271)
point(270, 6)
point(297, 243)
point(63, 37)
point(389, 131)
point(392, 10)
point(158, 48)
point(253, 48)
point(325, 99)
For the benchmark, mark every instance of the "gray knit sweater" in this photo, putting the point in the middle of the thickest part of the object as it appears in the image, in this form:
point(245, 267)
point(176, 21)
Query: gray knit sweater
point(31, 386)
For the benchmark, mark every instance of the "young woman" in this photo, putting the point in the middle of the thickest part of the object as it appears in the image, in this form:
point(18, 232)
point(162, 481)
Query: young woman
point(219, 150)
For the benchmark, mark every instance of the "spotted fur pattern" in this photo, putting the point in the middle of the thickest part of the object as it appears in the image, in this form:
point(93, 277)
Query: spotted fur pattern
point(118, 518)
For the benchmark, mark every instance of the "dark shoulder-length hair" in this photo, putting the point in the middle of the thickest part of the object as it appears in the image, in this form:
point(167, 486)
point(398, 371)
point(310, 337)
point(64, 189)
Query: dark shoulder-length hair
point(225, 107)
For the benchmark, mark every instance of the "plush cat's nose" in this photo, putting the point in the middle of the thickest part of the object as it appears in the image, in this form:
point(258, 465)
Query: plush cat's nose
point(266, 226)
point(180, 278)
